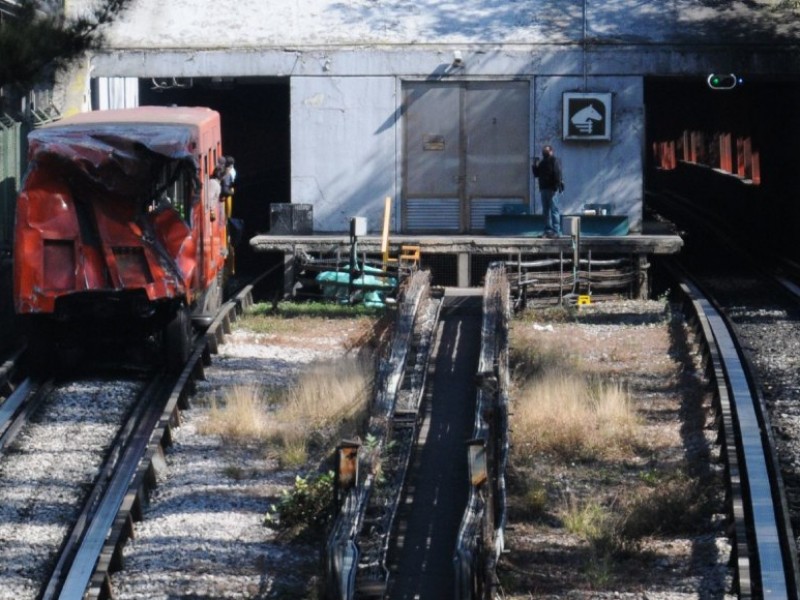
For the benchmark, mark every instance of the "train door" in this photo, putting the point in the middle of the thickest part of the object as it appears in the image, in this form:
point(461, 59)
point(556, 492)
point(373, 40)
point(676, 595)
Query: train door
point(466, 153)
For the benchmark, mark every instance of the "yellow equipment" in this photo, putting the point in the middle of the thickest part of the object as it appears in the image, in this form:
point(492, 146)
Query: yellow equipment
point(409, 254)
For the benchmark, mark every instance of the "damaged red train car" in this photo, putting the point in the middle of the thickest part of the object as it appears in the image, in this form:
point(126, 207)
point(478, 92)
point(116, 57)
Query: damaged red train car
point(119, 236)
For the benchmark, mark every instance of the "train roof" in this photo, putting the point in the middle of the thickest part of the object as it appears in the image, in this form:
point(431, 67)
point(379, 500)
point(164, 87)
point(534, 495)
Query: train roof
point(115, 150)
point(142, 115)
point(103, 135)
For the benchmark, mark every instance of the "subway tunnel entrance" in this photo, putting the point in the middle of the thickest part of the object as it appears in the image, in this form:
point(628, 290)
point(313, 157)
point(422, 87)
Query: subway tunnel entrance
point(731, 152)
point(255, 131)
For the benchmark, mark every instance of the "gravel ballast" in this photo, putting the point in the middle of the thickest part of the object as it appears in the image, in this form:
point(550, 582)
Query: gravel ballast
point(203, 533)
point(45, 475)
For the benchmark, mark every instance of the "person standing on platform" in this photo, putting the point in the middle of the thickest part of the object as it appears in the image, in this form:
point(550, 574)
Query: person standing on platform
point(551, 183)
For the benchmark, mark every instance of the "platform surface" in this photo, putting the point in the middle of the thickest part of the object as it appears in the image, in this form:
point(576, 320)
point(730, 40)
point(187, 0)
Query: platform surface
point(644, 243)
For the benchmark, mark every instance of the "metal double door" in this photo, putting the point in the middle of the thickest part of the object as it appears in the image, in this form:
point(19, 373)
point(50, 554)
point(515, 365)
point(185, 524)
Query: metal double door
point(465, 153)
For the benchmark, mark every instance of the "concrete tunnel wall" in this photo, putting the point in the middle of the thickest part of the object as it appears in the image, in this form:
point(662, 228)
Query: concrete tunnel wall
point(345, 63)
point(346, 147)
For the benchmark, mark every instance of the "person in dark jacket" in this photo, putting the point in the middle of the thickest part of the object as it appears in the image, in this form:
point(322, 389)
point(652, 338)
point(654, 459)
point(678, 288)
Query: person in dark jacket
point(548, 171)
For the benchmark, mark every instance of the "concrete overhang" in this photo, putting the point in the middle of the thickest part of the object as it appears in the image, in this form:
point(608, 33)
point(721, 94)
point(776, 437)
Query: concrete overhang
point(247, 38)
point(512, 62)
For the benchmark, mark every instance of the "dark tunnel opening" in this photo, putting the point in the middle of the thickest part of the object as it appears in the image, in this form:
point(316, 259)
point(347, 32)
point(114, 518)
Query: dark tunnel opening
point(255, 131)
point(732, 152)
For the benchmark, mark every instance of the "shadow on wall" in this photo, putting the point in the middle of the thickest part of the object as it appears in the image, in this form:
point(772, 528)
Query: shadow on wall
point(620, 21)
point(8, 335)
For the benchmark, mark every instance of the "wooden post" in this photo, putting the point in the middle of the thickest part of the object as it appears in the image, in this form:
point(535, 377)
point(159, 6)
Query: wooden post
point(288, 274)
point(642, 280)
point(463, 270)
point(387, 219)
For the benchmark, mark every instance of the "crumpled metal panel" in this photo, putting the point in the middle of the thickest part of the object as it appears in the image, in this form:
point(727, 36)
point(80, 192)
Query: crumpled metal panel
point(88, 192)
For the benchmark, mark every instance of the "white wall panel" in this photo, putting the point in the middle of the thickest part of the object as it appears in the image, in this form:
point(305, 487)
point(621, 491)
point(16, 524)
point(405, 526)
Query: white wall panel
point(343, 148)
point(596, 171)
point(117, 92)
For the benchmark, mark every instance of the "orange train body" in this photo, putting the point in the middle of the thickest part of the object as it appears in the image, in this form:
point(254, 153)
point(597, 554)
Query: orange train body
point(116, 219)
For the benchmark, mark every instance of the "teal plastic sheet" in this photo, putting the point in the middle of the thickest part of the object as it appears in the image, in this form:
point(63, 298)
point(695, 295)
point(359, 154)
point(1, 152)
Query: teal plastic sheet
point(370, 287)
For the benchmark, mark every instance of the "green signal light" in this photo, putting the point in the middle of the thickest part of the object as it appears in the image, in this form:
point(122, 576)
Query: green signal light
point(722, 81)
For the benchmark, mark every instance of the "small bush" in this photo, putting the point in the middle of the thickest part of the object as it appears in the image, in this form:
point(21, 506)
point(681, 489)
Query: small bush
point(304, 508)
point(600, 571)
point(534, 500)
point(589, 520)
point(600, 526)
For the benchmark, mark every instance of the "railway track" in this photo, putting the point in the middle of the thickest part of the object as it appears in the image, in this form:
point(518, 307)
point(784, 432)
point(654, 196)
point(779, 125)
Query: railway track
point(74, 516)
point(761, 506)
point(54, 449)
point(766, 550)
point(761, 575)
point(761, 316)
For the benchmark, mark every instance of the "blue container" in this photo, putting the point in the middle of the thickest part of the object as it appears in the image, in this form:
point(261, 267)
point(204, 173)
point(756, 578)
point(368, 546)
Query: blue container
point(533, 225)
point(515, 225)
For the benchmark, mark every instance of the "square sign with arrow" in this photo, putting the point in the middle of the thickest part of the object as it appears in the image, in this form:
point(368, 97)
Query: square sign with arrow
point(586, 116)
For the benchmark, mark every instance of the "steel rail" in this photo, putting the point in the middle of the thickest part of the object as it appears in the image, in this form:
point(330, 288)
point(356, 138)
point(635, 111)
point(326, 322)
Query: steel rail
point(8, 371)
point(80, 572)
point(758, 445)
point(342, 552)
point(16, 410)
point(481, 535)
point(766, 562)
point(116, 533)
point(110, 527)
point(78, 554)
point(377, 525)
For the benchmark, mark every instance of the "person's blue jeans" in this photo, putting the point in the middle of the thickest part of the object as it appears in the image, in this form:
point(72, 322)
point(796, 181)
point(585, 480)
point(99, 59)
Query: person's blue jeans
point(552, 214)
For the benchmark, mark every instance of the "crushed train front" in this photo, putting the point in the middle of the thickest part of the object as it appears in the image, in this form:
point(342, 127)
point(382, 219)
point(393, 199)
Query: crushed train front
point(113, 231)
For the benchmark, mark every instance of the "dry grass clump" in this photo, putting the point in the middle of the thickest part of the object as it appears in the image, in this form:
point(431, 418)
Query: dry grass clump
point(574, 417)
point(676, 505)
point(542, 357)
point(329, 400)
point(241, 415)
point(329, 393)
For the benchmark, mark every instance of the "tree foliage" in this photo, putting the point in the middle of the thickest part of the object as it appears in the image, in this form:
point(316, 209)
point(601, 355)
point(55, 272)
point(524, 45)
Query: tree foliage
point(35, 42)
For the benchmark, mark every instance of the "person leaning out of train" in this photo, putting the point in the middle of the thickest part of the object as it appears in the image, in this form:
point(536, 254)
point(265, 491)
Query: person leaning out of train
point(227, 182)
point(215, 184)
point(230, 165)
